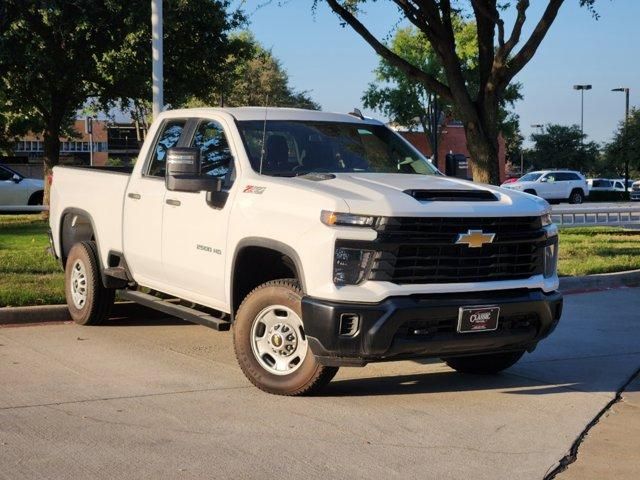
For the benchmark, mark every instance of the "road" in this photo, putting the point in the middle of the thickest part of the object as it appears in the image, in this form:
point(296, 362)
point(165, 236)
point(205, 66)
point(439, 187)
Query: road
point(140, 399)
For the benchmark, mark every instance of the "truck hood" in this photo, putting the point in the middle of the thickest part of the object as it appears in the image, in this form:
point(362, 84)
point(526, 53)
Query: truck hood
point(385, 194)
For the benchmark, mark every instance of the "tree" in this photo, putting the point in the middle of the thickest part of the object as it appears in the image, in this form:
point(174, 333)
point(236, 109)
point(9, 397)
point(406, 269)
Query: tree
point(559, 146)
point(54, 54)
point(255, 76)
point(410, 103)
point(625, 145)
point(498, 60)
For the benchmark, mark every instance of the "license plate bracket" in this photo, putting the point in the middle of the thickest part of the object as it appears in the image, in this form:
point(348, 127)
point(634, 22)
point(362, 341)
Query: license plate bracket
point(481, 318)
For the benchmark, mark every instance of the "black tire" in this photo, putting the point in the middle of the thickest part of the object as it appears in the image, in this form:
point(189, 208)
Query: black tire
point(576, 197)
point(484, 364)
point(36, 198)
point(98, 300)
point(531, 191)
point(309, 376)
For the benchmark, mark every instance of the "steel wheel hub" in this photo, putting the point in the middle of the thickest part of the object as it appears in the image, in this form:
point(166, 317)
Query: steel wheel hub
point(79, 284)
point(278, 341)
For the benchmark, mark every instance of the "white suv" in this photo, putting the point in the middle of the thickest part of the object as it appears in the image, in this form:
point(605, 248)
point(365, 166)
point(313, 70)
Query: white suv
point(553, 185)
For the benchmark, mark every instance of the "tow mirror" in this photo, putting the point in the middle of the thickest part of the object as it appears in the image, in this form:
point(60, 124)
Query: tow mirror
point(183, 172)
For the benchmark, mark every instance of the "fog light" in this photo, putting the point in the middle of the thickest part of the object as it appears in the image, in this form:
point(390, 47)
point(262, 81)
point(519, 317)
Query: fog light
point(349, 324)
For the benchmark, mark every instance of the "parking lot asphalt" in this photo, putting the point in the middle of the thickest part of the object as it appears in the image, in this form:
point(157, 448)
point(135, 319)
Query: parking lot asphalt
point(164, 399)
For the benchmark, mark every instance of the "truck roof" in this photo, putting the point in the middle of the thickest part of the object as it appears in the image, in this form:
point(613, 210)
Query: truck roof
point(274, 113)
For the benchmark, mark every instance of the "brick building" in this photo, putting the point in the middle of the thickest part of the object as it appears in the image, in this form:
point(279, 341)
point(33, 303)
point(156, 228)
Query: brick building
point(110, 140)
point(453, 140)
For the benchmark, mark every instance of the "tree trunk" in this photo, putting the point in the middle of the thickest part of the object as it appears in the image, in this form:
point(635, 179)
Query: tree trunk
point(51, 158)
point(483, 147)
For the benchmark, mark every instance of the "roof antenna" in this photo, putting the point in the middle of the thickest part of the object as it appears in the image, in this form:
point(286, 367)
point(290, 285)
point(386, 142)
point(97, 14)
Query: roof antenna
point(357, 113)
point(264, 132)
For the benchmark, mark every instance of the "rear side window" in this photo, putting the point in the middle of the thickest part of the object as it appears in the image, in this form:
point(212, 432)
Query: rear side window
point(5, 175)
point(601, 183)
point(168, 137)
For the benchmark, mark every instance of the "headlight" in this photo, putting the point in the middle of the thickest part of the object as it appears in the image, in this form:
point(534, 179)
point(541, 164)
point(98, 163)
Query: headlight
point(351, 265)
point(546, 219)
point(347, 219)
point(551, 257)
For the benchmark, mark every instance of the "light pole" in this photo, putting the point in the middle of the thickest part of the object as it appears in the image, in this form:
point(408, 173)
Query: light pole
point(582, 88)
point(156, 57)
point(626, 123)
point(538, 125)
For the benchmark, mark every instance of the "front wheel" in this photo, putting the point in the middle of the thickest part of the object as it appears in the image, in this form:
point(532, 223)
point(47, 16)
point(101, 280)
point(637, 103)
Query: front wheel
point(484, 364)
point(270, 343)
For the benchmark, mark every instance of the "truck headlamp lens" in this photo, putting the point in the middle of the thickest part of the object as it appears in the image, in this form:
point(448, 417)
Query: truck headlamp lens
point(551, 258)
point(351, 265)
point(347, 219)
point(546, 219)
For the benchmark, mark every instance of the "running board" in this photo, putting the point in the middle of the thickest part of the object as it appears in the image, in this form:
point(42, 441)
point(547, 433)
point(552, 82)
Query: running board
point(180, 311)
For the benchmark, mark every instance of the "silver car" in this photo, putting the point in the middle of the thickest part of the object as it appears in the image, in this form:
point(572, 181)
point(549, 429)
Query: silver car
point(18, 193)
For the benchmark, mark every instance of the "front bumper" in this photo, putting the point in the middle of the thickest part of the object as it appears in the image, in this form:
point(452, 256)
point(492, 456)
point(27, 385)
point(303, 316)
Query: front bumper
point(425, 326)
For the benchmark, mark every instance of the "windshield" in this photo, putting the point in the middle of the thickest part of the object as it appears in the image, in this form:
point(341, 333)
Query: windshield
point(295, 148)
point(530, 177)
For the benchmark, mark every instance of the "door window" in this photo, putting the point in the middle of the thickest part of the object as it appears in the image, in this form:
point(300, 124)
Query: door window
point(169, 136)
point(215, 156)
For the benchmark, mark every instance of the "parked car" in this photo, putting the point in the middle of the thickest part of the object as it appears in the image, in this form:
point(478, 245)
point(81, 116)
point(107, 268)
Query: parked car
point(510, 180)
point(600, 185)
point(635, 191)
point(18, 193)
point(553, 185)
point(618, 184)
point(335, 244)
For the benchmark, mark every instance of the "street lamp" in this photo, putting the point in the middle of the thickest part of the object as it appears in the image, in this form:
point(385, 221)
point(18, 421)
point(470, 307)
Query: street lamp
point(538, 125)
point(626, 122)
point(582, 88)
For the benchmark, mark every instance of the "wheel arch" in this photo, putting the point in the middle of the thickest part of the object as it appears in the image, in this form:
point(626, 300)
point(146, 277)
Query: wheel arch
point(253, 256)
point(76, 225)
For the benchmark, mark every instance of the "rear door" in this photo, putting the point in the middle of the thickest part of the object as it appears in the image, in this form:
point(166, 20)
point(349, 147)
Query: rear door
point(194, 227)
point(144, 201)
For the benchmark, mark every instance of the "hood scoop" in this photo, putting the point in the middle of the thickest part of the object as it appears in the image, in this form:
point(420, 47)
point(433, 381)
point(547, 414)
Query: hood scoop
point(452, 195)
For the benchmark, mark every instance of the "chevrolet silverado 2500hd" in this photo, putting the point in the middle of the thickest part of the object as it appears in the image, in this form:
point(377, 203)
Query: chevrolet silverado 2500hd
point(322, 240)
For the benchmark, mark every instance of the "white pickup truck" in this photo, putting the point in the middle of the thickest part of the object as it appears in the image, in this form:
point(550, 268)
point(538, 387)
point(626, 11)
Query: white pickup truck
point(321, 239)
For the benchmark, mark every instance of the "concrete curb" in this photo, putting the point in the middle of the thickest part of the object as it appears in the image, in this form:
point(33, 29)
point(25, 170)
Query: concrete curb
point(59, 313)
point(600, 281)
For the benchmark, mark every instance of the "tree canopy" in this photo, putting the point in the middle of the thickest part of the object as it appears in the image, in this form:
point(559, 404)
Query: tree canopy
point(502, 54)
point(625, 145)
point(560, 146)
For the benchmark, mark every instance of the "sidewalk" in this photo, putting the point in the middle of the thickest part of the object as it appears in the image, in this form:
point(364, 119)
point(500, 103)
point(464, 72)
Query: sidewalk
point(612, 447)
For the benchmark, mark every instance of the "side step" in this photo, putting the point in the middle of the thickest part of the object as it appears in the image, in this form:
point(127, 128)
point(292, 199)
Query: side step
point(185, 313)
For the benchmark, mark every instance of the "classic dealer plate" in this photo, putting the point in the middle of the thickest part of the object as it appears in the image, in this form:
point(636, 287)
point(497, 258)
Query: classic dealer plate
point(478, 319)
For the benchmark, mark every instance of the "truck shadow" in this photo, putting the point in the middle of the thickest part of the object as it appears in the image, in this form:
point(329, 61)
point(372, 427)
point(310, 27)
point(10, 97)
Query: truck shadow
point(444, 382)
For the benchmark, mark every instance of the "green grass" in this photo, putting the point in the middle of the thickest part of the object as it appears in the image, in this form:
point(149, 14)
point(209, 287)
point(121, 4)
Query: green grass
point(30, 276)
point(589, 250)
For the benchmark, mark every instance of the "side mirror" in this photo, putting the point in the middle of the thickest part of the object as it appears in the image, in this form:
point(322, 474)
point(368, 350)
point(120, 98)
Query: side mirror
point(16, 178)
point(544, 180)
point(183, 172)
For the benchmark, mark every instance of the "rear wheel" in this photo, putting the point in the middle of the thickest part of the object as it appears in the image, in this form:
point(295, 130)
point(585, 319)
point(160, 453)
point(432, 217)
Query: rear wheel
point(89, 302)
point(270, 343)
point(36, 198)
point(484, 364)
point(576, 197)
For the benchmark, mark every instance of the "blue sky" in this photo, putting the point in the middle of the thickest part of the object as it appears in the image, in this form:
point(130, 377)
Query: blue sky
point(336, 65)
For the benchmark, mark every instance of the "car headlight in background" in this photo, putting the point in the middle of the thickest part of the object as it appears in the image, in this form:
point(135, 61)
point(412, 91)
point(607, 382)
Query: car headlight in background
point(551, 257)
point(351, 265)
point(347, 219)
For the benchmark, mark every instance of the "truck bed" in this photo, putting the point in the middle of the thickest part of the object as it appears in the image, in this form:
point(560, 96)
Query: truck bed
point(98, 193)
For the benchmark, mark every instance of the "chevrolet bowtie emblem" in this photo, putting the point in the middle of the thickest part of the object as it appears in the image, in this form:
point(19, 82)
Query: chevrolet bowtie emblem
point(475, 238)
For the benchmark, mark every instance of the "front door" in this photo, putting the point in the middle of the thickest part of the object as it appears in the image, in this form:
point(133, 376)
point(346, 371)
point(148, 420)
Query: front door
point(194, 231)
point(144, 201)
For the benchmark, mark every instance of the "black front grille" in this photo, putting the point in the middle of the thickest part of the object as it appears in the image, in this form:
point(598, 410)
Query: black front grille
point(423, 250)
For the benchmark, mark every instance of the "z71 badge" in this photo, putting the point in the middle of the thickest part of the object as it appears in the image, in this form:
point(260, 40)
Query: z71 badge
point(254, 189)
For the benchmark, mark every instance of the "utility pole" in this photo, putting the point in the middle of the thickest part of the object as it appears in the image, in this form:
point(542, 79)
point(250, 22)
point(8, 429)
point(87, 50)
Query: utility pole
point(625, 139)
point(157, 57)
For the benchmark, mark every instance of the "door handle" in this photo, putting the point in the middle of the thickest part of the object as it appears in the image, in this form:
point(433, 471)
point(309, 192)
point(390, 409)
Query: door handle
point(135, 196)
point(171, 201)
